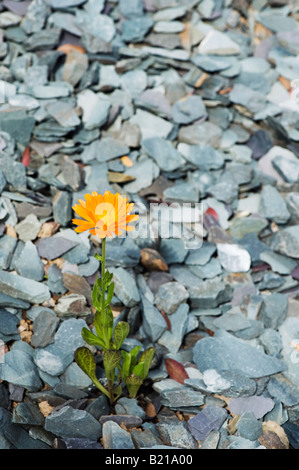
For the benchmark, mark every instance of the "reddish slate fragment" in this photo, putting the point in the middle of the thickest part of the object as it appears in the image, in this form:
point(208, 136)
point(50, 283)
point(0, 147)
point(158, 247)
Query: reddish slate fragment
point(26, 156)
point(176, 370)
point(213, 213)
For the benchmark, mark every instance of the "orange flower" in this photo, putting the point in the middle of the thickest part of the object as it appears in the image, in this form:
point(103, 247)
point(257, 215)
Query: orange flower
point(104, 215)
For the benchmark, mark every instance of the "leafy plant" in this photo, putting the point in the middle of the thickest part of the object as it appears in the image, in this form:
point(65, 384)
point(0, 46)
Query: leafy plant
point(120, 366)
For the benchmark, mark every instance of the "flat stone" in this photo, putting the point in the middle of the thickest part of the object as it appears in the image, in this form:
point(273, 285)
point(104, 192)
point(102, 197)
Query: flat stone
point(257, 405)
point(153, 322)
point(95, 109)
point(218, 43)
point(248, 426)
point(209, 294)
point(18, 368)
point(283, 390)
point(230, 353)
point(44, 329)
point(273, 206)
point(188, 110)
point(109, 148)
point(23, 288)
point(279, 263)
point(285, 241)
point(170, 296)
point(172, 339)
point(163, 152)
point(72, 305)
point(18, 124)
point(252, 100)
point(28, 414)
point(29, 264)
point(54, 247)
point(151, 125)
point(28, 228)
point(7, 247)
point(134, 82)
point(205, 133)
point(134, 30)
point(176, 434)
point(209, 419)
point(114, 437)
point(204, 157)
point(125, 287)
point(64, 114)
point(62, 423)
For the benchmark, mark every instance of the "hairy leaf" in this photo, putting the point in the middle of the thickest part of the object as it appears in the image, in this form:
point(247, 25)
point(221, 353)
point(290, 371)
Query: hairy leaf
point(110, 293)
point(111, 359)
point(146, 358)
point(90, 338)
point(121, 331)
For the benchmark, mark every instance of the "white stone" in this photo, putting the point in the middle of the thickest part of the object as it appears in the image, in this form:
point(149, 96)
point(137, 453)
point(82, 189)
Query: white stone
point(233, 257)
point(218, 43)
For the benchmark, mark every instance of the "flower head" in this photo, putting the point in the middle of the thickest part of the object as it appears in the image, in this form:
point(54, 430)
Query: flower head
point(104, 215)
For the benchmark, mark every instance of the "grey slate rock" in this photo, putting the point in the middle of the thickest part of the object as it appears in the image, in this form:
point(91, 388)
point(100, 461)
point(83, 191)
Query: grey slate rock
point(29, 264)
point(285, 241)
point(186, 111)
point(28, 414)
point(169, 297)
point(8, 323)
point(273, 206)
point(153, 322)
point(19, 369)
point(70, 422)
point(248, 426)
point(283, 390)
point(134, 30)
point(125, 287)
point(230, 353)
point(176, 434)
point(7, 247)
point(209, 419)
point(209, 294)
point(23, 288)
point(172, 339)
point(257, 405)
point(130, 421)
point(44, 329)
point(163, 152)
point(114, 437)
point(274, 310)
point(54, 247)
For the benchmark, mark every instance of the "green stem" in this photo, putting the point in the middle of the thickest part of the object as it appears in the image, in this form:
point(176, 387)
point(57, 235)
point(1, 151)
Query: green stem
point(103, 271)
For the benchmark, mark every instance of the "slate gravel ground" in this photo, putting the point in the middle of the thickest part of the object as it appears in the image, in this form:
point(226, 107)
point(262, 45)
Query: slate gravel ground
point(173, 103)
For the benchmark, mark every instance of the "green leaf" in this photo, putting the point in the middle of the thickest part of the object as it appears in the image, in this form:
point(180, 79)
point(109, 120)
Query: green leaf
point(139, 370)
point(135, 351)
point(147, 357)
point(133, 383)
point(90, 338)
point(110, 293)
point(98, 257)
point(121, 331)
point(103, 321)
point(126, 363)
point(111, 359)
point(96, 294)
point(85, 360)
